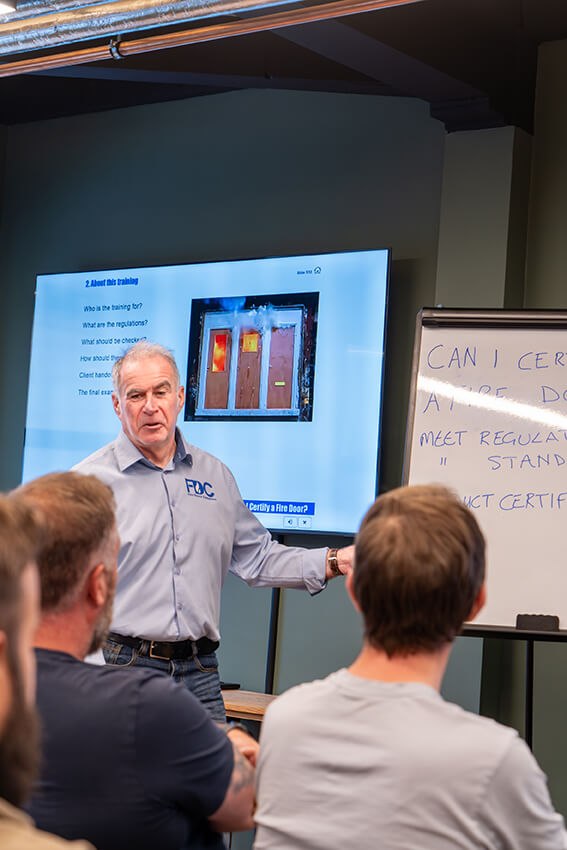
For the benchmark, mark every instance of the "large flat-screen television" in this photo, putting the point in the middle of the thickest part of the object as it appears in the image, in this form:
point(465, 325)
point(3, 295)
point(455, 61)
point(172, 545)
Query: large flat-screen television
point(282, 360)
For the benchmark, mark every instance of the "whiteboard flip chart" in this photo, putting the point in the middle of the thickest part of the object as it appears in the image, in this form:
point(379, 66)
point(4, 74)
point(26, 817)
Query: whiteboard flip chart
point(488, 418)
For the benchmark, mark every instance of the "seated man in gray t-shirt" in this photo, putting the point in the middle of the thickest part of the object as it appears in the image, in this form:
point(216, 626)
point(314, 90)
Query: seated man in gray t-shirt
point(372, 756)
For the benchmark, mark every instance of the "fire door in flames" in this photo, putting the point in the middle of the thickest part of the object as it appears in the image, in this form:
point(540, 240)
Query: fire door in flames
point(254, 362)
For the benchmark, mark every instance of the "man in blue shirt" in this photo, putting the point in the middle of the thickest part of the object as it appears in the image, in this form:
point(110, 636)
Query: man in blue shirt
point(183, 526)
point(130, 758)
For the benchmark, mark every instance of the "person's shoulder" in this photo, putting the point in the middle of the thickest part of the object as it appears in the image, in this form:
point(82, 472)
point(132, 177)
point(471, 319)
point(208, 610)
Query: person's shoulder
point(300, 697)
point(17, 830)
point(160, 688)
point(187, 718)
point(296, 715)
point(155, 691)
point(201, 457)
point(207, 465)
point(37, 839)
point(76, 689)
point(474, 733)
point(473, 720)
point(96, 684)
point(101, 458)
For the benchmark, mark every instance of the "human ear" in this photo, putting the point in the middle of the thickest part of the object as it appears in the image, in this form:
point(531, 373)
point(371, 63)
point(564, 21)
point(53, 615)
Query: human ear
point(97, 585)
point(349, 582)
point(479, 603)
point(5, 681)
point(116, 404)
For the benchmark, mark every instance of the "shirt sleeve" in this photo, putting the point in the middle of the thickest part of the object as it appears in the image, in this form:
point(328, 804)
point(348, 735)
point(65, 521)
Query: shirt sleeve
point(262, 562)
point(184, 758)
point(517, 810)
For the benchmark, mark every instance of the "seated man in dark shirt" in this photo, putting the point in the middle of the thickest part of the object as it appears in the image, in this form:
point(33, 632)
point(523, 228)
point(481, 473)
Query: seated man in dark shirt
point(130, 758)
point(20, 536)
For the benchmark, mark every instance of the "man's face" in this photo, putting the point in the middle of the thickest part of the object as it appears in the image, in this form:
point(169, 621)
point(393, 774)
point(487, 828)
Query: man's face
point(18, 737)
point(147, 404)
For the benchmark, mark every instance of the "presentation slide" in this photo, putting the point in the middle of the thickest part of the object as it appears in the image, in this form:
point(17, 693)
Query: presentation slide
point(282, 360)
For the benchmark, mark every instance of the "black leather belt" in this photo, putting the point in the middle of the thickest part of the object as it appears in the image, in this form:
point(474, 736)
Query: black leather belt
point(167, 649)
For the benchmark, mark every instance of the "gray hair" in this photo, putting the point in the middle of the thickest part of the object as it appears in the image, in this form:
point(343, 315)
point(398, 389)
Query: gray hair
point(143, 348)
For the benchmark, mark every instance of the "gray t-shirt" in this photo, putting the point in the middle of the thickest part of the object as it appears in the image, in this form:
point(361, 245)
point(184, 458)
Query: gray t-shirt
point(350, 762)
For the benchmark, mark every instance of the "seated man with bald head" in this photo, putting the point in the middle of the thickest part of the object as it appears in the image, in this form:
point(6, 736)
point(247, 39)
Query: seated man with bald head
point(372, 756)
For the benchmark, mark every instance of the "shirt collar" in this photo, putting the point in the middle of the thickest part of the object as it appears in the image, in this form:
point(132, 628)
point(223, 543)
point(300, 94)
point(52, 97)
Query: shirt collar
point(182, 452)
point(127, 454)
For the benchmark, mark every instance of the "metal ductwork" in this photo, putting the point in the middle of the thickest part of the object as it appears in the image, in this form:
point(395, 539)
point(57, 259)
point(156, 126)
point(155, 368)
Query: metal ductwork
point(40, 25)
point(35, 8)
point(107, 19)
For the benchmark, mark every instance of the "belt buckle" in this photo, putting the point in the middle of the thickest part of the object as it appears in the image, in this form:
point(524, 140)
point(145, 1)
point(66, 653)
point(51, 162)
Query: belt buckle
point(152, 654)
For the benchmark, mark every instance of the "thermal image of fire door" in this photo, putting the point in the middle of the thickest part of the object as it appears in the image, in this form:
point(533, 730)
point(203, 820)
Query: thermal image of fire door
point(252, 357)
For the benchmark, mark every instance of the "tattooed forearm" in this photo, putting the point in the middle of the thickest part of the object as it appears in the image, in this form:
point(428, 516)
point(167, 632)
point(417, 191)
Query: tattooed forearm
point(242, 772)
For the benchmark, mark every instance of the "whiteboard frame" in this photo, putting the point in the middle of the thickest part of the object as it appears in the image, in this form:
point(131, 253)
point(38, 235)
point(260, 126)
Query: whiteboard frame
point(488, 318)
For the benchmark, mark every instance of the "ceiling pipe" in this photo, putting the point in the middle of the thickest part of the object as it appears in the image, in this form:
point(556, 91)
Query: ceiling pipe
point(32, 8)
point(54, 30)
point(87, 22)
point(118, 49)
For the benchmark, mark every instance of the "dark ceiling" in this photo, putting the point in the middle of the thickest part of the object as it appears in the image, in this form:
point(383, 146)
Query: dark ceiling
point(474, 61)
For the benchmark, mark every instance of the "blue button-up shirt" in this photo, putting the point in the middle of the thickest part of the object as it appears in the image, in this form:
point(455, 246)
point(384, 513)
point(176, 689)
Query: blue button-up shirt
point(182, 529)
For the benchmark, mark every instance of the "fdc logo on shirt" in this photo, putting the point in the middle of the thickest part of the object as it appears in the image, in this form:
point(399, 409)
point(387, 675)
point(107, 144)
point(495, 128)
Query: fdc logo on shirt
point(203, 489)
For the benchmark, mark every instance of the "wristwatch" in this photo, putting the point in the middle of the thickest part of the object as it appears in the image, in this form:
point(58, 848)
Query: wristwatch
point(233, 724)
point(333, 562)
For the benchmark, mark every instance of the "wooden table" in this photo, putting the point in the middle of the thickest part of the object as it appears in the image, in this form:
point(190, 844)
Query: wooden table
point(246, 705)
